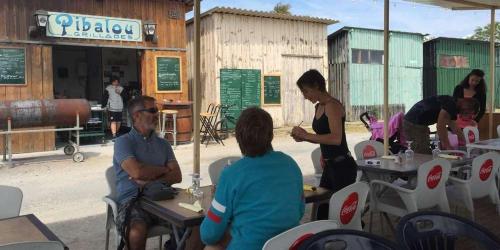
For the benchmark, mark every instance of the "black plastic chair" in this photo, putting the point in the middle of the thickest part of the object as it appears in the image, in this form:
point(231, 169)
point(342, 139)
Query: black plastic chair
point(346, 239)
point(437, 230)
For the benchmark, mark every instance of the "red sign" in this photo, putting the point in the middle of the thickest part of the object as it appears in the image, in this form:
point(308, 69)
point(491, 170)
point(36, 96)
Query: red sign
point(369, 152)
point(485, 170)
point(434, 176)
point(472, 136)
point(349, 208)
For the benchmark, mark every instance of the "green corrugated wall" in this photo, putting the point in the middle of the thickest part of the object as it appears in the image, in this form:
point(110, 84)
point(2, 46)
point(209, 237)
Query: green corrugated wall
point(476, 52)
point(405, 69)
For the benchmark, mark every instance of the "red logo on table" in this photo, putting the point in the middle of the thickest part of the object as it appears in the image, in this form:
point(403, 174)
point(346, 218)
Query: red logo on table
point(472, 136)
point(485, 170)
point(434, 176)
point(369, 152)
point(348, 208)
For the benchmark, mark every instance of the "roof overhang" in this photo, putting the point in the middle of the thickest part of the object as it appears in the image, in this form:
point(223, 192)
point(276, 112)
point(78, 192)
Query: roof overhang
point(462, 4)
point(266, 14)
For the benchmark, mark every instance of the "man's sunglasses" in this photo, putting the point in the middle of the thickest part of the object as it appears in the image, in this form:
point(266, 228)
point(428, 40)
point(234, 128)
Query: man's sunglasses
point(149, 110)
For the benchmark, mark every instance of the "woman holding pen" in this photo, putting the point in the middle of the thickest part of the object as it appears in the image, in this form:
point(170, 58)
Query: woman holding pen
point(329, 127)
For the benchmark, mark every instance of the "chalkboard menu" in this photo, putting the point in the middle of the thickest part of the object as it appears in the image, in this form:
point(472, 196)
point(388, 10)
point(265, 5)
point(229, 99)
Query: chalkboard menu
point(240, 89)
point(12, 66)
point(168, 74)
point(250, 88)
point(272, 89)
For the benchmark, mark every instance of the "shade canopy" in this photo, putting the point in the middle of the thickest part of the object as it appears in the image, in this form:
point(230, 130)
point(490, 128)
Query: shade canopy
point(462, 4)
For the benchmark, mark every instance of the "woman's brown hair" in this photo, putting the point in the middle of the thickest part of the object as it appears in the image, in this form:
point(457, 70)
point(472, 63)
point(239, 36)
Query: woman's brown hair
point(254, 132)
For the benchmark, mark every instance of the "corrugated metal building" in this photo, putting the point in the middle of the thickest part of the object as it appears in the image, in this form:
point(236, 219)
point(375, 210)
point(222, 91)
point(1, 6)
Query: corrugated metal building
point(448, 60)
point(241, 44)
point(355, 62)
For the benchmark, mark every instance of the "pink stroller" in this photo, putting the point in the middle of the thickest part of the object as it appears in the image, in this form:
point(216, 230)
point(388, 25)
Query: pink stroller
point(397, 141)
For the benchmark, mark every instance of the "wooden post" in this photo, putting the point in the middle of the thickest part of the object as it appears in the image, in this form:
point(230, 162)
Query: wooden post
point(492, 72)
point(196, 89)
point(386, 77)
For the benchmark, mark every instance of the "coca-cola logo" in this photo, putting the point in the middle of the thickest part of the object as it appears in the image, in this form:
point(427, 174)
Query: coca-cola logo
point(348, 208)
point(472, 136)
point(434, 176)
point(369, 152)
point(485, 170)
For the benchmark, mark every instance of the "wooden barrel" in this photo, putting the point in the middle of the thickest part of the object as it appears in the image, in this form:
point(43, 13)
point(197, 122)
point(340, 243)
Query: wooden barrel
point(184, 121)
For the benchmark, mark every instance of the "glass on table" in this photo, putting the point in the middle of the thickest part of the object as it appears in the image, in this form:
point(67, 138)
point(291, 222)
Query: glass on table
point(409, 153)
point(436, 151)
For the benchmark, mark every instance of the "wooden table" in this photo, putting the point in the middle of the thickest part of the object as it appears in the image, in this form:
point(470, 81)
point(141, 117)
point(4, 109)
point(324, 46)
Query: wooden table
point(169, 210)
point(25, 228)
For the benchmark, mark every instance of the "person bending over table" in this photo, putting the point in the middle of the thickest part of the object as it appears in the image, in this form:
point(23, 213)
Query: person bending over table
point(257, 197)
point(329, 124)
point(441, 110)
point(141, 157)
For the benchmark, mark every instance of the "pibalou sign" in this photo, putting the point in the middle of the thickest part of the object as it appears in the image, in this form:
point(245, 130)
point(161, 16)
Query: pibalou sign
point(70, 25)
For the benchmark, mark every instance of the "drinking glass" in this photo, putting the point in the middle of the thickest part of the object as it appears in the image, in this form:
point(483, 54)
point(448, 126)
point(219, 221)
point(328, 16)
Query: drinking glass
point(409, 152)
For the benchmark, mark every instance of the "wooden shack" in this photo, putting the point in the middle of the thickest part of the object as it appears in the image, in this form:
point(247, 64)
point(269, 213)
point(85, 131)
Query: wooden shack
point(254, 58)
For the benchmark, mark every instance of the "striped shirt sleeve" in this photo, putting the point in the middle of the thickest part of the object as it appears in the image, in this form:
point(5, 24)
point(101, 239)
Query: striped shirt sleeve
point(218, 216)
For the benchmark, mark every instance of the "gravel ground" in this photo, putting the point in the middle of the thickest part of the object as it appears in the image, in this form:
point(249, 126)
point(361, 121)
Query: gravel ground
point(67, 196)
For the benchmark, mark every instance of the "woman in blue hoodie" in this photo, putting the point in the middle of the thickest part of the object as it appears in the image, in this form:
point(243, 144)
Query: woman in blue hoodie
point(257, 197)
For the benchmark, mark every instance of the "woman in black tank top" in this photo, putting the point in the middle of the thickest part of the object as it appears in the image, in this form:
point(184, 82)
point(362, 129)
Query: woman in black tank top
point(339, 168)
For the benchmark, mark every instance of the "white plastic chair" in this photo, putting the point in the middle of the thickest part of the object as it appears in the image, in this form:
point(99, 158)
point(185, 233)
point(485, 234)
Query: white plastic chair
point(316, 160)
point(429, 192)
point(43, 245)
point(498, 130)
point(112, 213)
point(347, 204)
point(216, 167)
point(11, 199)
point(287, 238)
point(368, 149)
point(480, 184)
point(471, 134)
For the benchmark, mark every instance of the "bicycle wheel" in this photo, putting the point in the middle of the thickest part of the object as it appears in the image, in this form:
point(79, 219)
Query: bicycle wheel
point(221, 129)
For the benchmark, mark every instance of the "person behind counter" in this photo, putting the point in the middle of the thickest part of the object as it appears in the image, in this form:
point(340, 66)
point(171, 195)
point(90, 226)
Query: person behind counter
point(113, 100)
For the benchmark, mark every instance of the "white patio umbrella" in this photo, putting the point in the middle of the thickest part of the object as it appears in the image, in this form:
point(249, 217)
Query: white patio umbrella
point(454, 5)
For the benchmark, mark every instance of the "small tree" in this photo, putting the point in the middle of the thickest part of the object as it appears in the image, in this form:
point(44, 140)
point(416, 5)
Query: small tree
point(483, 33)
point(282, 8)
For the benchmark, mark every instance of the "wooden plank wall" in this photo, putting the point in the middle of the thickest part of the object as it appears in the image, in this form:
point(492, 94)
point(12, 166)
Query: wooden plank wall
point(248, 42)
point(147, 73)
point(39, 86)
point(17, 15)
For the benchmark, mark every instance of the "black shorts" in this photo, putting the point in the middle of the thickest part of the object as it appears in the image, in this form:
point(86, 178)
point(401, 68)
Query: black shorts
point(115, 116)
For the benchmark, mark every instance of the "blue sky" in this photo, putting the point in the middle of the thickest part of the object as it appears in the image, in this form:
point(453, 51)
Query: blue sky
point(405, 16)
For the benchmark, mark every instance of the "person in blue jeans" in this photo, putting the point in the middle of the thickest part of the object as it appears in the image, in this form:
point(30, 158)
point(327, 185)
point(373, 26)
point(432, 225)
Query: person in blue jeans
point(257, 197)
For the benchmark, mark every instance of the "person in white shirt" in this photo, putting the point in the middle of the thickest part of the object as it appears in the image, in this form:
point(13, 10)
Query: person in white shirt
point(115, 105)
